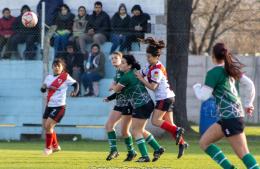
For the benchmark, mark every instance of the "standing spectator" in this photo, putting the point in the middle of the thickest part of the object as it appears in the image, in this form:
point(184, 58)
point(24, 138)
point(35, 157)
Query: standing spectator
point(22, 34)
point(80, 24)
point(120, 27)
point(6, 30)
point(94, 66)
point(64, 22)
point(51, 10)
point(138, 26)
point(98, 28)
point(74, 61)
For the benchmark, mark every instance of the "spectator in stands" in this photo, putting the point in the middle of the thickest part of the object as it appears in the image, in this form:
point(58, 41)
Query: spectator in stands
point(64, 22)
point(94, 66)
point(138, 26)
point(74, 61)
point(80, 24)
point(120, 27)
point(98, 28)
point(22, 34)
point(51, 10)
point(6, 30)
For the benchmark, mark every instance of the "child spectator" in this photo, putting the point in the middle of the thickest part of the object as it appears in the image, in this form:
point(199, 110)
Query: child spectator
point(94, 66)
point(22, 34)
point(6, 30)
point(120, 27)
point(64, 22)
point(98, 28)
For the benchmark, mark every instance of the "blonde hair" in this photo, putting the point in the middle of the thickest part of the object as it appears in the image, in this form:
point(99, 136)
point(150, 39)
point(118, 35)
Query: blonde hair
point(118, 54)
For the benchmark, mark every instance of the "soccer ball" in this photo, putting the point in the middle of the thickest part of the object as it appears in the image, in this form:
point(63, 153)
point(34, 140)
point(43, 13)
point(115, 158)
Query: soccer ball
point(29, 19)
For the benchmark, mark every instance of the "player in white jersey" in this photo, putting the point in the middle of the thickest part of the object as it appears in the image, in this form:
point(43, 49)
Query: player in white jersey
point(158, 82)
point(56, 85)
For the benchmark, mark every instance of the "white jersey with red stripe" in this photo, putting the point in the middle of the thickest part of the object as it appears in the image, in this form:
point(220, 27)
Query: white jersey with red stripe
point(157, 74)
point(59, 97)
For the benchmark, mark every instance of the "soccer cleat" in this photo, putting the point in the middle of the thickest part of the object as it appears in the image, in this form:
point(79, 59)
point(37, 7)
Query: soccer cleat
point(182, 148)
point(112, 155)
point(130, 156)
point(233, 167)
point(157, 154)
point(179, 134)
point(47, 151)
point(56, 149)
point(143, 159)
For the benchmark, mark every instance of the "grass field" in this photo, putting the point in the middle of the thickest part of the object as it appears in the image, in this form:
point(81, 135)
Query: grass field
point(91, 154)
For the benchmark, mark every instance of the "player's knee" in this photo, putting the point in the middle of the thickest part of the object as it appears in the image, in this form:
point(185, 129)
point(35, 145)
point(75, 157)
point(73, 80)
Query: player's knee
point(203, 145)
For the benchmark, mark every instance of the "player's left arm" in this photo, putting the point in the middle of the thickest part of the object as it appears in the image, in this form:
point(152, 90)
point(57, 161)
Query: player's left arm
point(249, 88)
point(117, 87)
point(76, 89)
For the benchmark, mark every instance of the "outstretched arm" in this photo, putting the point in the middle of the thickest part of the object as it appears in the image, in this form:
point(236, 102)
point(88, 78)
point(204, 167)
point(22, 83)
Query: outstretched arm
point(249, 88)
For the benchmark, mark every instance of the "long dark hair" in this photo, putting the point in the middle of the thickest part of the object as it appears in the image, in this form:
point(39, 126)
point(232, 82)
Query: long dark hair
point(232, 65)
point(154, 47)
point(130, 60)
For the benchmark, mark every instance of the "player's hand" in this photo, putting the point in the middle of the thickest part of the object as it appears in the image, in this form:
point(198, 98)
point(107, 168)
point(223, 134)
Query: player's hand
point(138, 75)
point(73, 94)
point(249, 110)
point(105, 99)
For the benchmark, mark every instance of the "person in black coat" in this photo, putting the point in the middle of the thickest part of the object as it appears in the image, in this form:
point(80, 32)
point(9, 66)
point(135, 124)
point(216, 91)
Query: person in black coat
point(138, 26)
point(98, 28)
point(120, 27)
point(64, 22)
point(22, 34)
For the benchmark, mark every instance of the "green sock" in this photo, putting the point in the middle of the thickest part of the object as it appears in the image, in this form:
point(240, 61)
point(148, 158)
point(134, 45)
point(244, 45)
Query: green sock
point(129, 144)
point(250, 161)
point(152, 142)
point(112, 140)
point(142, 147)
point(216, 154)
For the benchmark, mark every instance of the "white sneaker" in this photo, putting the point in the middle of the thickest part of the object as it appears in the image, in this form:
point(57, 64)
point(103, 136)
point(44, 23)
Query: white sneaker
point(54, 150)
point(47, 151)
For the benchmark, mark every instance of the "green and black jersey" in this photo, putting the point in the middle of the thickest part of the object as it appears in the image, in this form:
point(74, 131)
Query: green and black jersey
point(134, 89)
point(226, 92)
point(121, 98)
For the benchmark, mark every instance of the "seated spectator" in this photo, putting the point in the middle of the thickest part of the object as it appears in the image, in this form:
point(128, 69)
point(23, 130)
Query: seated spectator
point(74, 61)
point(98, 28)
point(94, 66)
point(22, 34)
point(6, 30)
point(64, 22)
point(80, 24)
point(138, 27)
point(120, 27)
point(51, 10)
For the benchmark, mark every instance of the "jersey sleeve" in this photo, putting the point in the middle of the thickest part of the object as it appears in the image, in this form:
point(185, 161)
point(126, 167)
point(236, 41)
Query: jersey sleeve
point(211, 79)
point(124, 80)
point(46, 80)
point(156, 75)
point(70, 80)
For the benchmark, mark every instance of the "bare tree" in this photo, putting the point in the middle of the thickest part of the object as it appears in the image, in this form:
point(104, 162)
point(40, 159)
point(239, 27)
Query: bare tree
point(178, 31)
point(213, 18)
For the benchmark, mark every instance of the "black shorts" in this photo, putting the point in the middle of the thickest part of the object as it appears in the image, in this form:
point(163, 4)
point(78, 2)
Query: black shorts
point(165, 105)
point(231, 127)
point(144, 112)
point(55, 113)
point(126, 110)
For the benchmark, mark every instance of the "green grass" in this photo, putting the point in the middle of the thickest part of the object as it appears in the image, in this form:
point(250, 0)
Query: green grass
point(92, 154)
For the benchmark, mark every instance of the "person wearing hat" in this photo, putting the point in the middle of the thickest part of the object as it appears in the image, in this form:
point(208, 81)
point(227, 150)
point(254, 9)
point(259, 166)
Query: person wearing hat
point(138, 27)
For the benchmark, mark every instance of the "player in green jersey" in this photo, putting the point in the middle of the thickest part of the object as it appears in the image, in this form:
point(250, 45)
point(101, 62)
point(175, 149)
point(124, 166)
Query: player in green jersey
point(122, 111)
point(142, 107)
point(222, 82)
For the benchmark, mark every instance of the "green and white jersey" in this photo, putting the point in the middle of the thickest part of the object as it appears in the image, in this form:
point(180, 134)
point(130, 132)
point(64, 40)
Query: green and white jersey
point(226, 92)
point(121, 98)
point(134, 89)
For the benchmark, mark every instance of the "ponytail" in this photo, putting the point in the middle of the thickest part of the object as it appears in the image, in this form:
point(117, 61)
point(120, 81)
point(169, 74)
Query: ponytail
point(130, 59)
point(154, 46)
point(232, 66)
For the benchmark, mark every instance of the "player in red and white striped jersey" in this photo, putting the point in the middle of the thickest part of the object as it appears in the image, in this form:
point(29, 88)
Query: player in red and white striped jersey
point(56, 85)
